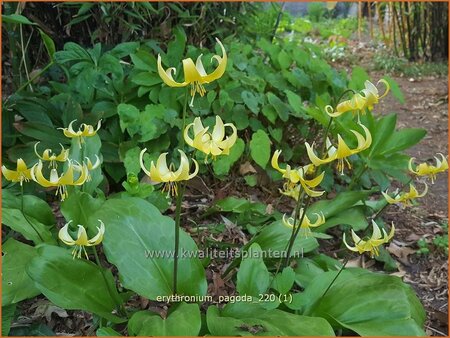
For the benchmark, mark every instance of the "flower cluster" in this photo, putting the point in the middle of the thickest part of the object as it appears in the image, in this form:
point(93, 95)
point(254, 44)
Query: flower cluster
point(196, 135)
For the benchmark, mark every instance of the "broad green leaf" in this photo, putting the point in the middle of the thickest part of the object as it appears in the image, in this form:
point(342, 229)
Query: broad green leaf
point(284, 59)
point(284, 280)
point(359, 76)
point(253, 278)
point(295, 101)
point(184, 320)
point(136, 234)
point(354, 216)
point(16, 18)
point(244, 319)
point(367, 303)
point(281, 107)
point(223, 164)
point(403, 139)
point(7, 317)
point(74, 284)
point(381, 132)
point(131, 160)
point(147, 79)
point(40, 131)
point(144, 60)
point(251, 101)
point(260, 148)
point(176, 47)
point(79, 207)
point(17, 286)
point(107, 332)
point(274, 238)
point(343, 201)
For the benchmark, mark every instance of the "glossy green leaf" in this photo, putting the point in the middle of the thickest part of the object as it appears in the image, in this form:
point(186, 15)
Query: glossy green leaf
point(223, 164)
point(367, 303)
point(17, 19)
point(260, 148)
point(49, 44)
point(184, 320)
point(17, 286)
point(136, 233)
point(284, 280)
point(243, 319)
point(253, 278)
point(74, 284)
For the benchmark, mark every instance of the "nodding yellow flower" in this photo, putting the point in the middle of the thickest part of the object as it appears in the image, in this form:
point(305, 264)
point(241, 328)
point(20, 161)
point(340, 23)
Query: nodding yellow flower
point(342, 151)
point(162, 174)
point(22, 173)
point(306, 222)
point(82, 239)
point(214, 143)
point(370, 245)
point(367, 98)
point(425, 169)
point(85, 130)
point(194, 74)
point(406, 197)
point(60, 182)
point(52, 158)
point(90, 166)
point(299, 176)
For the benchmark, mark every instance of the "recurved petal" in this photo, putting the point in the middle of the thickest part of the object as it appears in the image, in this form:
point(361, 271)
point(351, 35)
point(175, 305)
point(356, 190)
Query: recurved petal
point(37, 176)
point(183, 170)
point(315, 181)
point(376, 232)
point(166, 76)
point(386, 84)
point(199, 65)
point(222, 65)
point(194, 173)
point(64, 236)
point(10, 175)
point(99, 237)
point(187, 138)
point(274, 161)
point(314, 158)
point(388, 198)
point(351, 248)
point(343, 150)
point(161, 167)
point(141, 162)
point(411, 161)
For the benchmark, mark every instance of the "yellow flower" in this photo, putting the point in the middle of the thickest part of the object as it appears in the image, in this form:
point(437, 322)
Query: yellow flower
point(425, 169)
point(85, 130)
point(306, 222)
point(82, 239)
point(342, 151)
point(194, 74)
point(360, 101)
point(53, 158)
point(298, 176)
point(90, 166)
point(22, 173)
point(60, 182)
point(371, 245)
point(406, 197)
point(162, 174)
point(213, 143)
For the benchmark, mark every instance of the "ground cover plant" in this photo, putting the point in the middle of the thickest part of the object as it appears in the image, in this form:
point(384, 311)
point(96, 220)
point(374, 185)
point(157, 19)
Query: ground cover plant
point(99, 163)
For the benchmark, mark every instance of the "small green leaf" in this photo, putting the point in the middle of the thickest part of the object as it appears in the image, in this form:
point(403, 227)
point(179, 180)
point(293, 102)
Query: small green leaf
point(260, 148)
point(395, 89)
point(284, 280)
point(16, 18)
point(251, 180)
point(223, 164)
point(49, 44)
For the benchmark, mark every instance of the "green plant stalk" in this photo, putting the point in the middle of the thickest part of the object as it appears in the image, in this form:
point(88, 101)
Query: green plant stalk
point(180, 193)
point(25, 216)
point(186, 97)
point(120, 306)
point(356, 177)
point(35, 77)
point(335, 277)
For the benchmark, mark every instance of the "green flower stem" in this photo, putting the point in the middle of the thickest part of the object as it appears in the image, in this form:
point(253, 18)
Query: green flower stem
point(186, 97)
point(293, 236)
point(35, 77)
point(335, 277)
point(120, 306)
point(356, 177)
point(25, 216)
point(180, 193)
